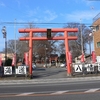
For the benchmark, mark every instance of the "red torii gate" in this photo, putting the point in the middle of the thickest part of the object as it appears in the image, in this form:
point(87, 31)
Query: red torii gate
point(31, 38)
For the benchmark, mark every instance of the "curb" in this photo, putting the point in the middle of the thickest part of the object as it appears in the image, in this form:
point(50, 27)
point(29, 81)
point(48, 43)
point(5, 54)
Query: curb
point(43, 81)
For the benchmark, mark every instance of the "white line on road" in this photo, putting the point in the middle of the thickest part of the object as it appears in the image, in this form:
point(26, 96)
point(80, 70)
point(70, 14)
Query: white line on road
point(59, 92)
point(23, 94)
point(92, 90)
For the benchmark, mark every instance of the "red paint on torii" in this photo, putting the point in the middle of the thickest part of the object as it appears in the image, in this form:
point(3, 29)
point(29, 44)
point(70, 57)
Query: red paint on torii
point(42, 30)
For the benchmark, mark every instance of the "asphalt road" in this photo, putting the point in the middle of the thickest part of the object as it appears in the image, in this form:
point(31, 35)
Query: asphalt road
point(49, 73)
point(78, 96)
point(57, 91)
point(51, 84)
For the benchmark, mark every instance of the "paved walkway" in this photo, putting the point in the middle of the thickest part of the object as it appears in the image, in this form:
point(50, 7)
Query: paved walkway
point(46, 75)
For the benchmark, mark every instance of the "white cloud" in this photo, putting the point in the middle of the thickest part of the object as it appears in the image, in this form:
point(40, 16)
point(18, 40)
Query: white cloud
point(38, 15)
point(2, 4)
point(49, 16)
point(33, 12)
point(88, 2)
point(18, 2)
point(84, 15)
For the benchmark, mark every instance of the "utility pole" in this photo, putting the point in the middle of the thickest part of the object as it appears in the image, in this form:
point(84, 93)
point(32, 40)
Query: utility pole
point(5, 36)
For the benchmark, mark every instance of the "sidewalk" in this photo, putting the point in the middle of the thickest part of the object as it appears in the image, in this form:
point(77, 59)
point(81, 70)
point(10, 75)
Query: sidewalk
point(47, 75)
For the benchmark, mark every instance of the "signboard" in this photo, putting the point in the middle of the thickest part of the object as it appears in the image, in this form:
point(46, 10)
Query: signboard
point(21, 70)
point(89, 67)
point(98, 59)
point(7, 70)
point(78, 68)
point(99, 67)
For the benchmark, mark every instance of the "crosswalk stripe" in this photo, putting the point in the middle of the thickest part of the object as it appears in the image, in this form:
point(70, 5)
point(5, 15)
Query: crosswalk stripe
point(59, 92)
point(92, 90)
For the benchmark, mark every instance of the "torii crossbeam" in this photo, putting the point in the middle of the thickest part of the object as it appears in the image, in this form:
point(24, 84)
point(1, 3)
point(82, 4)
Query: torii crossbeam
point(44, 30)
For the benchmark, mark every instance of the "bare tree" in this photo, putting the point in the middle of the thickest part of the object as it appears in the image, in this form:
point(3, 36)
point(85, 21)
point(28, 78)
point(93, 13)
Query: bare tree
point(53, 46)
point(75, 45)
point(38, 46)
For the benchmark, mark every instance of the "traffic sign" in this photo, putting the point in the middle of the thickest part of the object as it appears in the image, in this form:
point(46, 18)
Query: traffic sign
point(78, 68)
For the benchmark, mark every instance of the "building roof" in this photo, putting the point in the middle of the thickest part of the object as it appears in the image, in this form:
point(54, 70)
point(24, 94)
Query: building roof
point(53, 55)
point(96, 17)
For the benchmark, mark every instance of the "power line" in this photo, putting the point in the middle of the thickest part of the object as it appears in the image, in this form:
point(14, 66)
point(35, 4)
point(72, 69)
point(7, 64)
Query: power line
point(25, 23)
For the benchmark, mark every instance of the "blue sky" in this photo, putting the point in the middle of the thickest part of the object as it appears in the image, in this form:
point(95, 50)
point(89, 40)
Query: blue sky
point(44, 11)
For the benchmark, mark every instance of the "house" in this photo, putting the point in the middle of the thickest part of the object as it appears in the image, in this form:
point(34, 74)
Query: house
point(9, 55)
point(53, 59)
point(96, 34)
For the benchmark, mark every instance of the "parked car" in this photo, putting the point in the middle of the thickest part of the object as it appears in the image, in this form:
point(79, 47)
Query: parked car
point(33, 66)
point(63, 65)
point(53, 63)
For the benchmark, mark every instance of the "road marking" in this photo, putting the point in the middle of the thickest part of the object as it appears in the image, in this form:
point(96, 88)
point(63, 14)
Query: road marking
point(48, 94)
point(92, 90)
point(23, 94)
point(59, 92)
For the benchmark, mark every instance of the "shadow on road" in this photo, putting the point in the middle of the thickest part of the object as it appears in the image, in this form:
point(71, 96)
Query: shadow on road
point(50, 73)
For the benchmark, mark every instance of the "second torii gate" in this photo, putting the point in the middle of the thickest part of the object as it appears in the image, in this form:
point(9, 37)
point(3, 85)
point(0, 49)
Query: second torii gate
point(43, 30)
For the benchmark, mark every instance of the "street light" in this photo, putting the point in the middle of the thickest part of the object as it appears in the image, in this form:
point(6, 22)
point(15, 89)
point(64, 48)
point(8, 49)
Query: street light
point(5, 36)
point(82, 46)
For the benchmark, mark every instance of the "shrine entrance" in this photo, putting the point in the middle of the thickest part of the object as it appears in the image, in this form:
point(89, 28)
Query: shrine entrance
point(49, 37)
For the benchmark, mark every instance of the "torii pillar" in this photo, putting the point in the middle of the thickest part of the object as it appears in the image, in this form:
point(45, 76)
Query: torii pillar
point(42, 30)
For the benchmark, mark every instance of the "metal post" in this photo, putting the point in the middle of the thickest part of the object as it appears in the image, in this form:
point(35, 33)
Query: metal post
point(45, 56)
point(15, 35)
point(81, 39)
point(90, 48)
point(6, 51)
point(15, 45)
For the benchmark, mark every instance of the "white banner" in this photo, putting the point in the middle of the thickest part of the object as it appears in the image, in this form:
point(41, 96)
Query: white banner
point(21, 70)
point(78, 68)
point(89, 67)
point(98, 59)
point(98, 66)
point(7, 70)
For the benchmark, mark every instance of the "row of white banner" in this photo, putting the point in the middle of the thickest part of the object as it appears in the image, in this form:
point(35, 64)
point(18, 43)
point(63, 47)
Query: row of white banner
point(89, 67)
point(77, 68)
point(19, 70)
